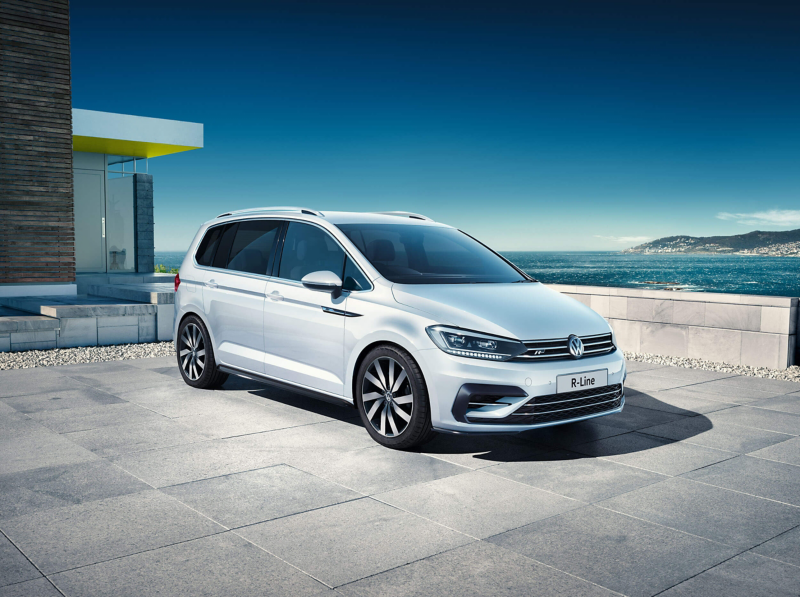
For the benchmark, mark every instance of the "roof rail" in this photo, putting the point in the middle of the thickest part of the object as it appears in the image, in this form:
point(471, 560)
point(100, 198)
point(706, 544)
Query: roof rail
point(302, 210)
point(404, 214)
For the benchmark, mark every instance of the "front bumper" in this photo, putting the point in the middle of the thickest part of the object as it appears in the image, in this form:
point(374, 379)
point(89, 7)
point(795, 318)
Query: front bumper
point(445, 376)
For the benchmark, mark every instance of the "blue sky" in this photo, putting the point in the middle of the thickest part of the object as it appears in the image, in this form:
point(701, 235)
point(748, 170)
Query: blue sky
point(533, 126)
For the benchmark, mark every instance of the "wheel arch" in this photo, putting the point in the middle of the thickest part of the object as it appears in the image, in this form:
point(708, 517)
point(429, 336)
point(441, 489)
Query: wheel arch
point(363, 355)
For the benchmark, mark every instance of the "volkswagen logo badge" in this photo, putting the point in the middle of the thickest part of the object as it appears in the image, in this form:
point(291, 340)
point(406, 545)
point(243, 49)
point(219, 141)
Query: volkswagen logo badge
point(575, 346)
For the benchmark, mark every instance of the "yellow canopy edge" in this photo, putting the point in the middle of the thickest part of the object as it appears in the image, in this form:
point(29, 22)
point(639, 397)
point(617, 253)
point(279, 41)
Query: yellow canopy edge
point(139, 149)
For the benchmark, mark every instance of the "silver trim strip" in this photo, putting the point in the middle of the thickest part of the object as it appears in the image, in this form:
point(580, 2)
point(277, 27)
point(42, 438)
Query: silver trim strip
point(561, 410)
point(529, 403)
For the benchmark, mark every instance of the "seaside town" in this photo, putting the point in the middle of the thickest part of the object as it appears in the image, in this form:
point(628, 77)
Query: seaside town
point(689, 244)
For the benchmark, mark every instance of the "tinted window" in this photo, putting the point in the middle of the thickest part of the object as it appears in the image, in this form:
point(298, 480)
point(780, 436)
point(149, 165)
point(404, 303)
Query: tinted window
point(224, 248)
point(353, 278)
point(309, 249)
point(252, 246)
point(205, 252)
point(409, 254)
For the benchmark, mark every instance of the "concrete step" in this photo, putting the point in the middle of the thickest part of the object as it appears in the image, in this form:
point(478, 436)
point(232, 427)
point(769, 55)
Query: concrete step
point(20, 330)
point(155, 293)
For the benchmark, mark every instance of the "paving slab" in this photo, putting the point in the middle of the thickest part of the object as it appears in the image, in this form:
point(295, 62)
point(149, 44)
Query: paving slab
point(633, 417)
point(241, 417)
point(721, 515)
point(645, 382)
point(636, 366)
point(630, 556)
point(478, 504)
point(475, 451)
point(39, 449)
point(36, 380)
point(92, 417)
point(375, 469)
point(681, 401)
point(788, 452)
point(718, 435)
point(192, 462)
point(40, 489)
point(759, 418)
point(14, 566)
point(14, 424)
point(115, 440)
point(61, 400)
point(790, 403)
point(257, 496)
point(687, 374)
point(121, 381)
point(63, 538)
point(785, 547)
point(653, 453)
point(32, 588)
point(475, 570)
point(763, 478)
point(576, 476)
point(574, 434)
point(154, 362)
point(223, 564)
point(746, 575)
point(344, 543)
point(735, 390)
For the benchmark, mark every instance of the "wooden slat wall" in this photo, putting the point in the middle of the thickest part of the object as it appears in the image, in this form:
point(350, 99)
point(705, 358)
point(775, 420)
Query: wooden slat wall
point(37, 242)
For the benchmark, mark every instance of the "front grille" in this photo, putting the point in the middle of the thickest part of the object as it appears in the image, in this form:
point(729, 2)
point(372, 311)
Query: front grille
point(558, 349)
point(561, 407)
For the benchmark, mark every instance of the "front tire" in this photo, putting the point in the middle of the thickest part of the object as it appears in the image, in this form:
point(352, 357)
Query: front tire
point(196, 355)
point(392, 399)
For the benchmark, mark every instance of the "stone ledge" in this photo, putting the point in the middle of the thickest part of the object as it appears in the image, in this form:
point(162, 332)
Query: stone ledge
point(700, 297)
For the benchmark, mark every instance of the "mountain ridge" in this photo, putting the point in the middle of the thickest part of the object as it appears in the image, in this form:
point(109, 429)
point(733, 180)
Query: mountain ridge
point(778, 243)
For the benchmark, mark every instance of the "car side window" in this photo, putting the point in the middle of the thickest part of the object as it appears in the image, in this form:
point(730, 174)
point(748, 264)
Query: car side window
point(252, 246)
point(224, 248)
point(208, 246)
point(353, 278)
point(308, 249)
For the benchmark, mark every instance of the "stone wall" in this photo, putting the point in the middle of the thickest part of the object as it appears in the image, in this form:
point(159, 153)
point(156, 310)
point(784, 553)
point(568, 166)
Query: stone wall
point(760, 331)
point(143, 222)
point(37, 243)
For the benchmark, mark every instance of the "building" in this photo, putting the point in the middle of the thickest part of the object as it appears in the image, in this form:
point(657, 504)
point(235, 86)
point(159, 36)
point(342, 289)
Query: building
point(76, 198)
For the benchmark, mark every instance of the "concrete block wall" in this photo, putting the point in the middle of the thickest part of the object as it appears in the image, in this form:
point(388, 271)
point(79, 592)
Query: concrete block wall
point(760, 331)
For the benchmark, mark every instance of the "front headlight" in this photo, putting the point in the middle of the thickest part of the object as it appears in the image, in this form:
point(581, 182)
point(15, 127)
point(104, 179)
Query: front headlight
point(474, 345)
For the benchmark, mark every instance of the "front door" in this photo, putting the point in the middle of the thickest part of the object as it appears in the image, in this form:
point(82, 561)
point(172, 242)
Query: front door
point(89, 213)
point(303, 335)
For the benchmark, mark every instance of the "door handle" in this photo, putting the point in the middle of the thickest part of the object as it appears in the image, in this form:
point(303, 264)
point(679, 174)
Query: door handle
point(275, 296)
point(211, 284)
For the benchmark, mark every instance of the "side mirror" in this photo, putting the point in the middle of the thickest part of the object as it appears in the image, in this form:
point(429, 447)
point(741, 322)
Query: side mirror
point(324, 281)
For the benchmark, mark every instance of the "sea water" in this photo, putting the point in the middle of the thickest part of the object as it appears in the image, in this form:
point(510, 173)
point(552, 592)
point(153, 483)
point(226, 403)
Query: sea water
point(737, 274)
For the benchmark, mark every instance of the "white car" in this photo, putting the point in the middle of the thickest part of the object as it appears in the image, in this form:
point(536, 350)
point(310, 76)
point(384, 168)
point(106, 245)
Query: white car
point(415, 323)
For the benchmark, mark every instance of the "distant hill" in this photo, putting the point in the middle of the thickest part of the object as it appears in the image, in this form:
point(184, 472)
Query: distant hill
point(784, 243)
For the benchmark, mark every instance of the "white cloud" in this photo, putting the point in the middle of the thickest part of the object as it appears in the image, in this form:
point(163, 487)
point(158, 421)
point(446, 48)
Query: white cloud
point(625, 239)
point(772, 217)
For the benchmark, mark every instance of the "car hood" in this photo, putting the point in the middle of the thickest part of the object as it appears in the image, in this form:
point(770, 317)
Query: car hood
point(528, 311)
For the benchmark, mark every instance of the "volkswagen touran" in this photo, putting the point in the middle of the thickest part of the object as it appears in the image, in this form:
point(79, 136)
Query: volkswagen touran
point(416, 324)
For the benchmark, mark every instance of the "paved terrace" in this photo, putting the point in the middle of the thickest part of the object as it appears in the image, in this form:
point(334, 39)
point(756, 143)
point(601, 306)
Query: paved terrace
point(117, 479)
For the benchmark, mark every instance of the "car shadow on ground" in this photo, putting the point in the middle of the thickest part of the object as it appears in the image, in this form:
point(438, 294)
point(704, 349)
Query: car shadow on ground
point(608, 435)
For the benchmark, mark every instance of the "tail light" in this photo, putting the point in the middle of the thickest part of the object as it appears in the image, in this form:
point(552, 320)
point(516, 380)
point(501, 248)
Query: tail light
point(177, 281)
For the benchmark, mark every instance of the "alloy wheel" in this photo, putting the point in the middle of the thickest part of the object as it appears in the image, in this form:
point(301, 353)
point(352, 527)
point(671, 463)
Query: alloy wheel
point(387, 396)
point(193, 352)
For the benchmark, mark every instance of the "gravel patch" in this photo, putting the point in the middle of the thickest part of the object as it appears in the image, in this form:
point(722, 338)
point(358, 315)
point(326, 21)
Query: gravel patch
point(124, 352)
point(790, 374)
point(85, 354)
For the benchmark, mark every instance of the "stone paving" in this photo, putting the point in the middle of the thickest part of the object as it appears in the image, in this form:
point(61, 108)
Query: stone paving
point(118, 479)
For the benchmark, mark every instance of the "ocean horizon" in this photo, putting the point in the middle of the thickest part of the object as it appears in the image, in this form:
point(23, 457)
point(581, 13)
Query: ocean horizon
point(735, 274)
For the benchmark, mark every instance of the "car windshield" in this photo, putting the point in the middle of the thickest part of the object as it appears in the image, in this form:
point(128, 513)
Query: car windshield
point(422, 254)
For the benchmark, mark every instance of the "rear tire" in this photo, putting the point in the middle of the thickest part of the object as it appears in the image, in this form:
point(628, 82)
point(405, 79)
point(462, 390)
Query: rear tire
point(392, 399)
point(196, 355)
